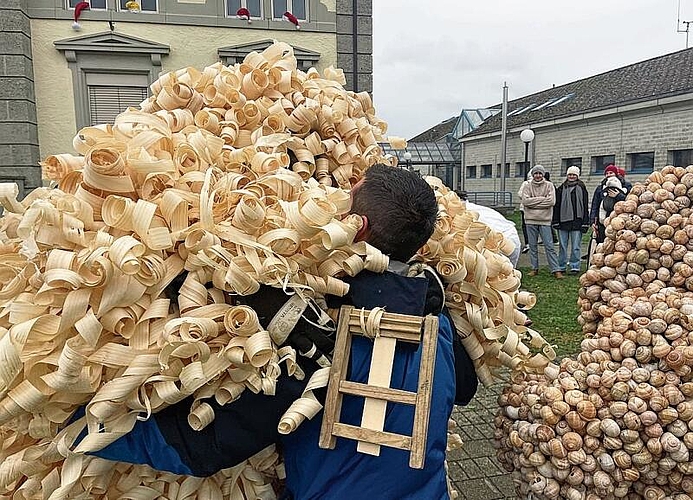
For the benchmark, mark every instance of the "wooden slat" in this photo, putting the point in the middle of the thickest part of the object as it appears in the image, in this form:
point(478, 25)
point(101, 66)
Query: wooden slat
point(384, 393)
point(338, 371)
point(411, 336)
point(379, 375)
point(423, 399)
point(379, 437)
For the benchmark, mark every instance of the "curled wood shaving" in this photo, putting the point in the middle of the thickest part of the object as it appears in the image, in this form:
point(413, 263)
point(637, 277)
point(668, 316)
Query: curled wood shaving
point(239, 176)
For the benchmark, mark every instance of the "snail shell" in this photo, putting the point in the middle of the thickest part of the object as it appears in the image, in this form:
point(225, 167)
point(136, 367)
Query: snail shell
point(610, 428)
point(622, 459)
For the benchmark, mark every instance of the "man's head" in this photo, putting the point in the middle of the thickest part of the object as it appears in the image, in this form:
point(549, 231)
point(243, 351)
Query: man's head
point(537, 173)
point(610, 171)
point(398, 208)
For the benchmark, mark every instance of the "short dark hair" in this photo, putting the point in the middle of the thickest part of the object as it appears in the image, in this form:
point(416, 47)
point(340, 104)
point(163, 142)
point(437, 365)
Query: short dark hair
point(401, 209)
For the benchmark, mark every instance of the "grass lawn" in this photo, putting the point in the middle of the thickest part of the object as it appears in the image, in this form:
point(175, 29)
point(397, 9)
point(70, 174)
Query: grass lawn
point(556, 311)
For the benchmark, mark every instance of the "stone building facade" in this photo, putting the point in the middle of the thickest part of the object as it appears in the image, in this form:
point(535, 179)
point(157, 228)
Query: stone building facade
point(639, 117)
point(54, 81)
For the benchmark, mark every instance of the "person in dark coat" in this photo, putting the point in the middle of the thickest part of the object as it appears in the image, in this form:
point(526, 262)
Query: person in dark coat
point(570, 218)
point(611, 170)
point(613, 192)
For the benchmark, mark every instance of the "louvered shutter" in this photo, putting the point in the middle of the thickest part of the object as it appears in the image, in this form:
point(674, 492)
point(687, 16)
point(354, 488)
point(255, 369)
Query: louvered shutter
point(105, 103)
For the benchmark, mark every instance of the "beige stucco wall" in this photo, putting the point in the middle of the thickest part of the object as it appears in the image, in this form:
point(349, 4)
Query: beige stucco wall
point(190, 46)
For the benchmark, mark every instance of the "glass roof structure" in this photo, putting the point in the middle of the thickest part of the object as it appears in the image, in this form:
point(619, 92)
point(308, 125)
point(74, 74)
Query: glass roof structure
point(423, 153)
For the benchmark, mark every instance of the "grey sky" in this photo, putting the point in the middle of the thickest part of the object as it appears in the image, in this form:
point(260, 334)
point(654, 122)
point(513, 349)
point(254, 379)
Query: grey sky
point(431, 59)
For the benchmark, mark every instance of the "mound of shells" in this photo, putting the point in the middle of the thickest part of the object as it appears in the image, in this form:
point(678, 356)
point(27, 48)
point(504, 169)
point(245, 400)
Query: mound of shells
point(617, 421)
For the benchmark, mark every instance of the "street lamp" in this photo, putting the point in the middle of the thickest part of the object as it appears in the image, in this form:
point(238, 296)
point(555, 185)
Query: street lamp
point(527, 136)
point(407, 158)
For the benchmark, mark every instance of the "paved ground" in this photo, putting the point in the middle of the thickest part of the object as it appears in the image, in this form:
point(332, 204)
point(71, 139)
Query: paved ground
point(474, 470)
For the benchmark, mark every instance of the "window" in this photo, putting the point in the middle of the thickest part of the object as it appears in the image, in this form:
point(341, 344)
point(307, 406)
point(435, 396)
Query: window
point(526, 108)
point(522, 109)
point(547, 103)
point(145, 5)
point(471, 171)
point(681, 157)
point(109, 95)
point(599, 163)
point(521, 169)
point(641, 163)
point(93, 4)
point(486, 171)
point(562, 99)
point(507, 170)
point(569, 162)
point(254, 6)
point(297, 7)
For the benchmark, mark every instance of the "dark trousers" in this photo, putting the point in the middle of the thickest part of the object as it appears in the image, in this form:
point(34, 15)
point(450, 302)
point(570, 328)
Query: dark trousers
point(524, 227)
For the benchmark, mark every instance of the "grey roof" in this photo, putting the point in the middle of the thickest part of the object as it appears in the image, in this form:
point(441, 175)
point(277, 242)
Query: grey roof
point(663, 76)
point(436, 132)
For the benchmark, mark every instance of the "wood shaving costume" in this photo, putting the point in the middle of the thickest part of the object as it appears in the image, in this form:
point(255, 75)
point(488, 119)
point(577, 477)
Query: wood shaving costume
point(249, 424)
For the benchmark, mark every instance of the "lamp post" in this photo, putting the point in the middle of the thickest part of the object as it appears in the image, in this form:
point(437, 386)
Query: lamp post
point(527, 136)
point(407, 159)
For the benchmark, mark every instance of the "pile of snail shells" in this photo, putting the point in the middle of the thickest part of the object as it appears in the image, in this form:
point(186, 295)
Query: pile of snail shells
point(616, 421)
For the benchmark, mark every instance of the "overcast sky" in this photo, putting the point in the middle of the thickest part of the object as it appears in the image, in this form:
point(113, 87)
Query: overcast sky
point(431, 59)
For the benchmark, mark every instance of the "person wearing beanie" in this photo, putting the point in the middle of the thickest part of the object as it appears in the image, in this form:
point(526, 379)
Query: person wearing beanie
point(611, 170)
point(612, 193)
point(571, 218)
point(538, 197)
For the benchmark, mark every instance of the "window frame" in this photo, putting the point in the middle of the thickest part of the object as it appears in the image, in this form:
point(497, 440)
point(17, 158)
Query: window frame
point(598, 170)
point(142, 11)
point(632, 158)
point(67, 3)
point(291, 2)
point(469, 169)
point(507, 170)
point(244, 3)
point(490, 171)
point(672, 153)
point(520, 168)
point(568, 162)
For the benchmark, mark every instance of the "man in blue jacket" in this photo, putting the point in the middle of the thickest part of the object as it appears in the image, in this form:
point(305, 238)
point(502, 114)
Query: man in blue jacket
point(399, 212)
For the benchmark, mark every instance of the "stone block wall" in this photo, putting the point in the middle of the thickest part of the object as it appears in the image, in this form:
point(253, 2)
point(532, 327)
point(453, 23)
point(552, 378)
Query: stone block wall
point(355, 43)
point(19, 151)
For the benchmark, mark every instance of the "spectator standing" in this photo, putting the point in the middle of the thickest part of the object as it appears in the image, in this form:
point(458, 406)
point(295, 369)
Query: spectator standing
point(571, 219)
point(610, 171)
point(539, 198)
point(613, 192)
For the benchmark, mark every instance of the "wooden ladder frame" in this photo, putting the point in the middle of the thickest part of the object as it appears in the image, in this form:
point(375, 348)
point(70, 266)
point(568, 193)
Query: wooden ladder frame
point(377, 392)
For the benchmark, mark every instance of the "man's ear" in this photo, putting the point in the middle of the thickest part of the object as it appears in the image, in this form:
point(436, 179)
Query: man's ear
point(364, 232)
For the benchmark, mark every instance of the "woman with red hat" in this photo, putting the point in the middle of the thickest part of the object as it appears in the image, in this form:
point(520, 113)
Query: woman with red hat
point(611, 170)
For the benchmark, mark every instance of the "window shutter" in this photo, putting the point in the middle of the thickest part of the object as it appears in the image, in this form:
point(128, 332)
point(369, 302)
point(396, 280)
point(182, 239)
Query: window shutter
point(107, 102)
